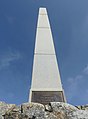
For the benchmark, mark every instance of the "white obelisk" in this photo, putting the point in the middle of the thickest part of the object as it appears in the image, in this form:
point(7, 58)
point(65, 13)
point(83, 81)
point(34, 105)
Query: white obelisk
point(46, 83)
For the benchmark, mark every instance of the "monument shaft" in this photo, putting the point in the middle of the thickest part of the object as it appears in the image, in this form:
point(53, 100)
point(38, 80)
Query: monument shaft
point(46, 83)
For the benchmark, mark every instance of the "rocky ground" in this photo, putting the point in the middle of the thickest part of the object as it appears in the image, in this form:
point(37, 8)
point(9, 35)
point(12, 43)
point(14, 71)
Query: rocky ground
point(53, 110)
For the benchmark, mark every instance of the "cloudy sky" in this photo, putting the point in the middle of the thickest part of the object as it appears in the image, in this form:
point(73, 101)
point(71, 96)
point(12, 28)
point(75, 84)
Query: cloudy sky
point(69, 23)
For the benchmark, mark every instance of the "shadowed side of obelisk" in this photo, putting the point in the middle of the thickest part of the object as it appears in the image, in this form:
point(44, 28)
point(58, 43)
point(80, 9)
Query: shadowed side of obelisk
point(46, 83)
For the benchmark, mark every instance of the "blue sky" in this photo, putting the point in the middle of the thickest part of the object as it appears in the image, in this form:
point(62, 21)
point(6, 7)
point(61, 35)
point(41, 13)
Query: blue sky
point(69, 23)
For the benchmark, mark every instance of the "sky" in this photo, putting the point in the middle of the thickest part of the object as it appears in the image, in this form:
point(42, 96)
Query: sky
point(69, 24)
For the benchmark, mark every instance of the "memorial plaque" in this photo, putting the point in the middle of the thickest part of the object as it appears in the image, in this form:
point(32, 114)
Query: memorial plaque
point(45, 97)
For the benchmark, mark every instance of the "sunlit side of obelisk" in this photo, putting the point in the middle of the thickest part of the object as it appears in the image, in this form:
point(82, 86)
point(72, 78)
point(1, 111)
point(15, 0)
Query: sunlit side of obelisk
point(46, 83)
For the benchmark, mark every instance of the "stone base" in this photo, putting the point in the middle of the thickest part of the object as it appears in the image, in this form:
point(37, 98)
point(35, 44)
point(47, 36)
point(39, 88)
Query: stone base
point(44, 97)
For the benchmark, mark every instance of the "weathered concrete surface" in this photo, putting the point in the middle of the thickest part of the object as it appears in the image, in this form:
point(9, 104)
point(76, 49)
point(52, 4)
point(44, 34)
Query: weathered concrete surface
point(53, 110)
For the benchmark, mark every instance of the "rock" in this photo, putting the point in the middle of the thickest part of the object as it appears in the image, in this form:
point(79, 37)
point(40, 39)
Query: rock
point(69, 111)
point(82, 107)
point(33, 110)
point(80, 114)
point(4, 108)
point(53, 110)
point(48, 108)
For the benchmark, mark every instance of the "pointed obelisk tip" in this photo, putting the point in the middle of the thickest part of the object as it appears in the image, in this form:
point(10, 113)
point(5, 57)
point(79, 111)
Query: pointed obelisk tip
point(42, 10)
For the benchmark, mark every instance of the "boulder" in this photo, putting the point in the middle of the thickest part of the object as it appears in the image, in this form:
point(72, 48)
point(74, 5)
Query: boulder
point(53, 110)
point(4, 108)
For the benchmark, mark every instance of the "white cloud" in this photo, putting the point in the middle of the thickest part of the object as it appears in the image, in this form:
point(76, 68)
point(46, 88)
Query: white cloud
point(86, 69)
point(8, 57)
point(73, 86)
point(77, 87)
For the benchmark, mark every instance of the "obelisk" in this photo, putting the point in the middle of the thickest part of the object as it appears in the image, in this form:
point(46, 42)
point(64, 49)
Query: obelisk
point(46, 83)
